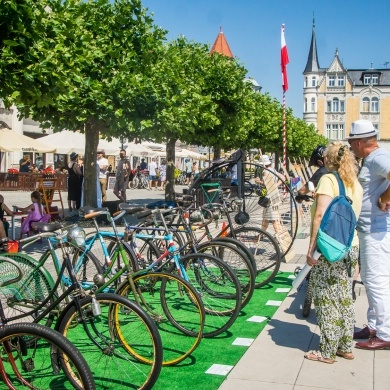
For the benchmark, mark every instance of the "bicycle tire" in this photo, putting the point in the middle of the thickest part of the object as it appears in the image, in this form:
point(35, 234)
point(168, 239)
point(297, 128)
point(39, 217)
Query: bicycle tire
point(218, 287)
point(306, 308)
point(126, 335)
point(23, 297)
point(237, 261)
point(111, 245)
point(169, 297)
point(240, 246)
point(47, 361)
point(266, 252)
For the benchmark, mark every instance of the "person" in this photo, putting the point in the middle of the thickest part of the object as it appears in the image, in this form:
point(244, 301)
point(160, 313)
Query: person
point(122, 176)
point(103, 170)
point(271, 179)
point(233, 176)
point(317, 160)
point(36, 213)
point(24, 164)
point(152, 174)
point(195, 170)
point(4, 225)
point(163, 174)
point(332, 282)
point(373, 229)
point(75, 182)
point(34, 168)
point(188, 168)
point(143, 164)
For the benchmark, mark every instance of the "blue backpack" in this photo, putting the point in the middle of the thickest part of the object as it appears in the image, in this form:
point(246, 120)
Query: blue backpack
point(337, 227)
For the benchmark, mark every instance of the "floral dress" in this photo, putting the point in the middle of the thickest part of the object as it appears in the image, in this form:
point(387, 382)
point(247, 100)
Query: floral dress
point(332, 294)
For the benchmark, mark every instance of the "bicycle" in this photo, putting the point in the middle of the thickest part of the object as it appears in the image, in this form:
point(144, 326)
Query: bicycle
point(258, 245)
point(163, 296)
point(119, 340)
point(228, 250)
point(224, 304)
point(34, 356)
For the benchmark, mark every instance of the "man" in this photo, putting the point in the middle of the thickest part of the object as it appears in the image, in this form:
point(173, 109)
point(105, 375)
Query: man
point(122, 176)
point(153, 174)
point(143, 164)
point(103, 166)
point(373, 229)
point(24, 164)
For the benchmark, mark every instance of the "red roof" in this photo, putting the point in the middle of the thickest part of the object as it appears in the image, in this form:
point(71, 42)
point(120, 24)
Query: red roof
point(221, 45)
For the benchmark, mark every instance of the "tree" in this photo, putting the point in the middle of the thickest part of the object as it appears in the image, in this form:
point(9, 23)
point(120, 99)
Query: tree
point(80, 65)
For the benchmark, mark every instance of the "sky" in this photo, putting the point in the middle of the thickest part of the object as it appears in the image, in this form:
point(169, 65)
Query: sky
point(358, 29)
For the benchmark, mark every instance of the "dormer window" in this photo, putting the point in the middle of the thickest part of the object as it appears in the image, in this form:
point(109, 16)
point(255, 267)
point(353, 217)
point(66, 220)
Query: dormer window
point(375, 79)
point(367, 79)
point(331, 81)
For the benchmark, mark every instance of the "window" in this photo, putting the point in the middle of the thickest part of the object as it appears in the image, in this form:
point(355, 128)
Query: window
point(342, 106)
point(340, 81)
point(375, 79)
point(328, 131)
point(306, 81)
point(374, 104)
point(335, 131)
point(366, 104)
point(313, 105)
point(313, 81)
point(329, 106)
point(367, 79)
point(331, 81)
point(335, 105)
point(305, 104)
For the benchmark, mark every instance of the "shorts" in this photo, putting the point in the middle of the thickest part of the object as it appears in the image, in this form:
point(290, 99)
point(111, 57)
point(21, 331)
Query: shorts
point(152, 177)
point(271, 213)
point(189, 174)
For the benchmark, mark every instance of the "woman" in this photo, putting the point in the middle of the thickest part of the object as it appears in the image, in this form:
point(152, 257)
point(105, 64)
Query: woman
point(163, 174)
point(75, 180)
point(332, 286)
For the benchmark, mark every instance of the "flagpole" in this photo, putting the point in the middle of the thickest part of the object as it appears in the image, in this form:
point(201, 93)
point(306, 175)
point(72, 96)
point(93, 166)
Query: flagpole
point(283, 62)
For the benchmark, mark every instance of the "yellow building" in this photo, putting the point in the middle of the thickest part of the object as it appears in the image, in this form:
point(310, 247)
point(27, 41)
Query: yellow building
point(336, 96)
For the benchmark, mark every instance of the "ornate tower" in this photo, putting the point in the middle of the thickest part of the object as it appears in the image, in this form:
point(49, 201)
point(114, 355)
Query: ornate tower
point(311, 76)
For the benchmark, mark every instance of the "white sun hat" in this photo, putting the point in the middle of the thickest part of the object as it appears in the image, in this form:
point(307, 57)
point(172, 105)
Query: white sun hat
point(362, 128)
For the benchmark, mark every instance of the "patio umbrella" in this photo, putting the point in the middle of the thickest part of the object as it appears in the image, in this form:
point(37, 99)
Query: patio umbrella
point(66, 142)
point(11, 141)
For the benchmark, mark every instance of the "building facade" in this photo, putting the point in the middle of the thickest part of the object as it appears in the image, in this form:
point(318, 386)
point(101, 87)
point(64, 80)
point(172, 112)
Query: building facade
point(336, 96)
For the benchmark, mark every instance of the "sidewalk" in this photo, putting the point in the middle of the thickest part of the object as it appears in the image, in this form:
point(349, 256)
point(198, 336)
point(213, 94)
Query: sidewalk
point(275, 359)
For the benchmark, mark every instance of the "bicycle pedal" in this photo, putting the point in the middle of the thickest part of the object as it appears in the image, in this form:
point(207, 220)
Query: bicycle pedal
point(28, 365)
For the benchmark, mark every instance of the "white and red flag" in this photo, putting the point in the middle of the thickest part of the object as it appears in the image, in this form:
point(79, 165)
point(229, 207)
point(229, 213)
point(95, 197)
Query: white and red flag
point(284, 61)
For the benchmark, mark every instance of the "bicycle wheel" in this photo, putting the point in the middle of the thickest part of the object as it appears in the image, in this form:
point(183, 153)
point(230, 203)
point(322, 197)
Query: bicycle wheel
point(134, 183)
point(21, 299)
point(176, 309)
point(112, 246)
point(242, 247)
point(218, 287)
point(237, 261)
point(46, 361)
point(85, 265)
point(122, 344)
point(265, 251)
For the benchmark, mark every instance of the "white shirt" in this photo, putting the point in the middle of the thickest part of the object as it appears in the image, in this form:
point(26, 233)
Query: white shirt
point(152, 168)
point(103, 165)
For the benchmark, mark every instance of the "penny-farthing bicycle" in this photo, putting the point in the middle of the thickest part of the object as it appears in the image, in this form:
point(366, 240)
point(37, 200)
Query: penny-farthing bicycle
point(269, 206)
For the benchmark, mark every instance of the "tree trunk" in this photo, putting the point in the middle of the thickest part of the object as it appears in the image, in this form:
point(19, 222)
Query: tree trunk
point(170, 184)
point(217, 152)
point(90, 173)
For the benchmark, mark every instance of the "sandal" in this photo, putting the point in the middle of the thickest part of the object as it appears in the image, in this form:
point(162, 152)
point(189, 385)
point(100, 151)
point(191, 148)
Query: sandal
point(317, 356)
point(345, 355)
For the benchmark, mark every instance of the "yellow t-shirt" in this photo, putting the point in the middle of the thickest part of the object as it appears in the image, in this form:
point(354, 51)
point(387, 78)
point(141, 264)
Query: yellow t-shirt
point(328, 186)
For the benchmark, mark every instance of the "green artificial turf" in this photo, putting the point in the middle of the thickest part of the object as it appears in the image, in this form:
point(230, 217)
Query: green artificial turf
point(191, 373)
